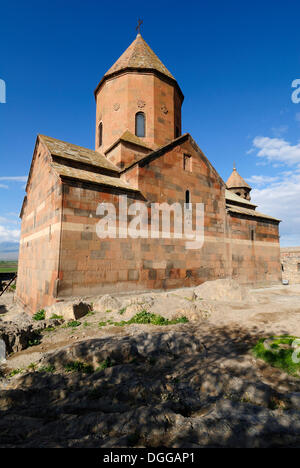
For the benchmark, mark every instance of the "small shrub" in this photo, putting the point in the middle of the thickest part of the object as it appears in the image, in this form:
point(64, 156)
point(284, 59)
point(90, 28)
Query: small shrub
point(72, 324)
point(49, 329)
point(15, 372)
point(57, 317)
point(40, 315)
point(102, 324)
point(35, 339)
point(79, 366)
point(48, 368)
point(105, 364)
point(32, 366)
point(145, 317)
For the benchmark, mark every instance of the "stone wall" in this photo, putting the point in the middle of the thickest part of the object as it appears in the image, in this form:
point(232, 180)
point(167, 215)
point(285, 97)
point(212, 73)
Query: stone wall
point(254, 261)
point(290, 261)
point(40, 235)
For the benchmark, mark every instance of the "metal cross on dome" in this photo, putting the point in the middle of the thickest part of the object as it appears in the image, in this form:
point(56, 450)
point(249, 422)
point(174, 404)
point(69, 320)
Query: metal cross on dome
point(138, 28)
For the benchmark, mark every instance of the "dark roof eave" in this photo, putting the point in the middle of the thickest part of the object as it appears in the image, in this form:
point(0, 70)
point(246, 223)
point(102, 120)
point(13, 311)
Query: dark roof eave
point(65, 178)
point(255, 215)
point(140, 70)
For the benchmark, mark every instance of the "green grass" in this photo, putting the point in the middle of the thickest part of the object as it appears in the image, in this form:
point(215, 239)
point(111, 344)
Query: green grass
point(72, 324)
point(57, 317)
point(79, 366)
point(49, 368)
point(8, 266)
point(15, 372)
point(49, 329)
point(279, 353)
point(105, 364)
point(145, 317)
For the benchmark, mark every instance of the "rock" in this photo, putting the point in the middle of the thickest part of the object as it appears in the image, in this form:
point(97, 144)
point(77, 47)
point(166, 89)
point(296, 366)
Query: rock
point(2, 351)
point(105, 303)
point(221, 290)
point(69, 310)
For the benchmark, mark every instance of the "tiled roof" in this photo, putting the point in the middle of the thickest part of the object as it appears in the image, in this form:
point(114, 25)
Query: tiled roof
point(77, 153)
point(92, 177)
point(249, 212)
point(236, 181)
point(232, 197)
point(139, 55)
point(130, 138)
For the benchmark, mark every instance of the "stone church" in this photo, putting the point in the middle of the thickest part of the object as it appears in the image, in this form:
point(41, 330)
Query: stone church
point(139, 152)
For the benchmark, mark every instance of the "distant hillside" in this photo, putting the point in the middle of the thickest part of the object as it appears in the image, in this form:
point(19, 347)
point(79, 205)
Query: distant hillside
point(9, 250)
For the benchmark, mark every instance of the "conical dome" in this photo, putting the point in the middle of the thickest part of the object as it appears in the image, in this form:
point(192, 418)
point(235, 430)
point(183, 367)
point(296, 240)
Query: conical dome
point(137, 57)
point(236, 181)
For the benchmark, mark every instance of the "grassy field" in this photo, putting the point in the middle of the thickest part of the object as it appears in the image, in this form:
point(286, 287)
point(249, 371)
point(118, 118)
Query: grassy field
point(8, 266)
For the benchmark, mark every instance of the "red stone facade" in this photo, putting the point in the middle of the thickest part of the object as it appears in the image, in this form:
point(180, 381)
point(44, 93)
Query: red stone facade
point(61, 254)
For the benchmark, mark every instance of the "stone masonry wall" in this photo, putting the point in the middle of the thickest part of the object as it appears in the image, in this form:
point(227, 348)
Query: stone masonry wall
point(254, 261)
point(40, 236)
point(290, 260)
point(120, 98)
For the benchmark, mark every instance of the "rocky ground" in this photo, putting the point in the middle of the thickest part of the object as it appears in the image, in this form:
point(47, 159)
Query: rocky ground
point(193, 384)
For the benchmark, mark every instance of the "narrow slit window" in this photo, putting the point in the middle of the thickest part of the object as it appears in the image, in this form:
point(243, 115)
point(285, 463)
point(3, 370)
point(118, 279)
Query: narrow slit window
point(140, 124)
point(100, 134)
point(187, 197)
point(252, 234)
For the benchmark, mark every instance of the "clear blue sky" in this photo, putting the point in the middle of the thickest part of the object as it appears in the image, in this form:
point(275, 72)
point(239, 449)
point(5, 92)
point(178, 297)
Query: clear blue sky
point(234, 61)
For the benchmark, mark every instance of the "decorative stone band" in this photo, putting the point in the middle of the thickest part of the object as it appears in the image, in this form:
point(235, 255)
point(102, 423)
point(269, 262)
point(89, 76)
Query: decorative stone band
point(66, 226)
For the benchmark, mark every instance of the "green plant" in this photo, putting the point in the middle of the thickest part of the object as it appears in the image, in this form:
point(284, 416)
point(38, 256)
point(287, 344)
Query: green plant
point(145, 317)
point(32, 365)
point(35, 339)
point(57, 317)
point(278, 352)
point(122, 311)
point(102, 324)
point(105, 364)
point(40, 315)
point(79, 366)
point(49, 368)
point(72, 324)
point(49, 329)
point(15, 372)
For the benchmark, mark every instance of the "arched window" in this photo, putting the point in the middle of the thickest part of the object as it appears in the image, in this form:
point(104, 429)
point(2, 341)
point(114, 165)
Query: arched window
point(140, 124)
point(100, 133)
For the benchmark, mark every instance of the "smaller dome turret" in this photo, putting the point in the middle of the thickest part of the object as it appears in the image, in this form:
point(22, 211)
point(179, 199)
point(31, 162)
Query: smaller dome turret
point(237, 185)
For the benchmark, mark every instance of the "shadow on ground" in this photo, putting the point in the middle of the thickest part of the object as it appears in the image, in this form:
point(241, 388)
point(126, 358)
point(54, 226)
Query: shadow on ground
point(181, 386)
